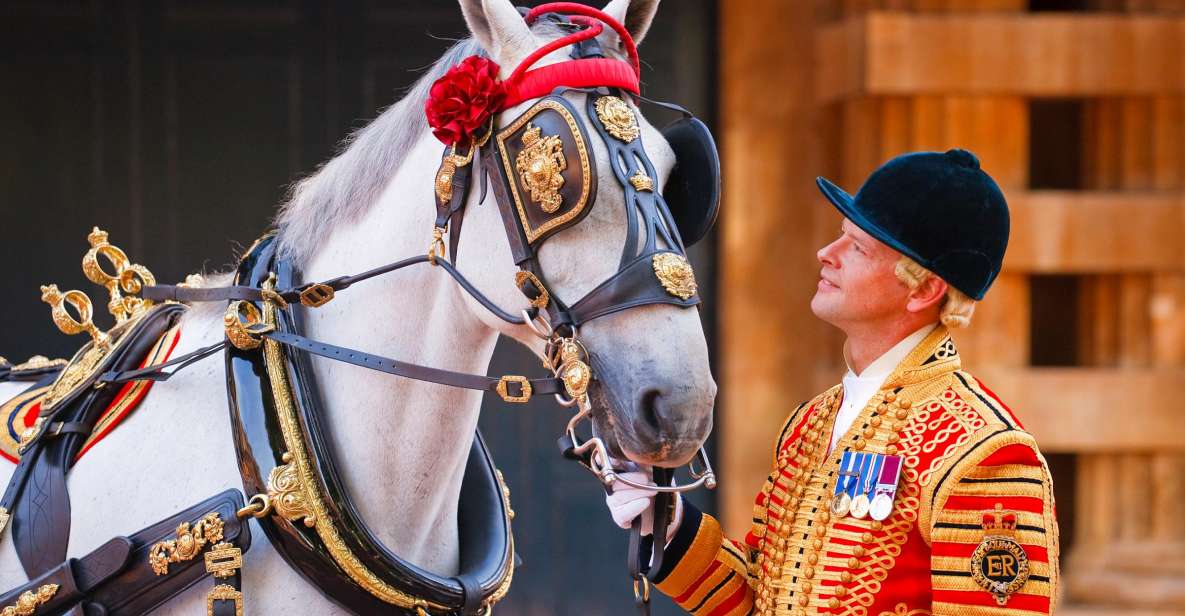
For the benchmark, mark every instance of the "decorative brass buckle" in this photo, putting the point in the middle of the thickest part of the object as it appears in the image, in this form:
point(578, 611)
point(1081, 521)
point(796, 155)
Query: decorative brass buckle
point(316, 296)
point(544, 297)
point(224, 592)
point(523, 383)
point(223, 560)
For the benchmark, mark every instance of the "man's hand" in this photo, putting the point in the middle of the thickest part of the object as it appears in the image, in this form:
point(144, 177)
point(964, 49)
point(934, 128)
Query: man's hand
point(627, 502)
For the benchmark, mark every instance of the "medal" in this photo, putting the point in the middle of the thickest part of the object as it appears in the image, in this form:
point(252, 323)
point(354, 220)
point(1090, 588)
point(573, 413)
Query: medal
point(886, 489)
point(869, 471)
point(841, 501)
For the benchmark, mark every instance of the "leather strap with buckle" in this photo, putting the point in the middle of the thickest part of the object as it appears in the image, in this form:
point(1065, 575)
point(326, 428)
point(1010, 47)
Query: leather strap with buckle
point(503, 389)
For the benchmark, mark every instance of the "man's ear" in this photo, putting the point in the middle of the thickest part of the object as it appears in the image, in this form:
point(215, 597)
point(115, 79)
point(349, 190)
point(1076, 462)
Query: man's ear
point(929, 293)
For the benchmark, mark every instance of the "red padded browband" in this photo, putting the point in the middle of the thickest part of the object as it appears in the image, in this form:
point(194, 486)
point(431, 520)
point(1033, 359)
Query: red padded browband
point(526, 83)
point(587, 73)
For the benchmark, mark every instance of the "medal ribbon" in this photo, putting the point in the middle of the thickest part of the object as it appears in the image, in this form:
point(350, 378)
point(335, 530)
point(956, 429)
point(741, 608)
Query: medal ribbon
point(873, 472)
point(863, 461)
point(846, 464)
point(890, 475)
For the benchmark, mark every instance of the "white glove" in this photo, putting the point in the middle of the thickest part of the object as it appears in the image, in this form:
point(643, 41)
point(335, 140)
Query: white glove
point(627, 502)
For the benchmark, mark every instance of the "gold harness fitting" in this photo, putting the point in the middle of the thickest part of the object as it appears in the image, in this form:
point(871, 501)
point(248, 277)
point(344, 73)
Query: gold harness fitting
point(316, 296)
point(244, 325)
point(523, 383)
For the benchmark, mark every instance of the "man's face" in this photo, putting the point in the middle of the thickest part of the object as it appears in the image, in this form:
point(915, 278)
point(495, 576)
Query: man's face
point(857, 283)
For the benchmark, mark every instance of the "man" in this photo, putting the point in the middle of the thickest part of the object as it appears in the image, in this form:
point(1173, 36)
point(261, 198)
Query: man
point(910, 488)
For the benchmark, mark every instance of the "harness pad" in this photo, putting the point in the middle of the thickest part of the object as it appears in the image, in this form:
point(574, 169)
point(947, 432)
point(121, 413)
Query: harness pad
point(20, 413)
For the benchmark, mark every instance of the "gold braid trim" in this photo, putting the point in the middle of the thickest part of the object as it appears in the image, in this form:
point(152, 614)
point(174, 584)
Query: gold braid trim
point(334, 544)
point(902, 609)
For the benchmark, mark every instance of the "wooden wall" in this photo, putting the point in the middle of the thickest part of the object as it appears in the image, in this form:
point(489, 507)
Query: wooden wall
point(1077, 109)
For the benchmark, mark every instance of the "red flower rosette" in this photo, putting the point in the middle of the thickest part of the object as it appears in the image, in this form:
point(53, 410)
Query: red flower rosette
point(462, 101)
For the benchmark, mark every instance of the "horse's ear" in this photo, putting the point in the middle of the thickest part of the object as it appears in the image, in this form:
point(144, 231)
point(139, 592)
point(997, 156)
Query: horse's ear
point(635, 15)
point(500, 30)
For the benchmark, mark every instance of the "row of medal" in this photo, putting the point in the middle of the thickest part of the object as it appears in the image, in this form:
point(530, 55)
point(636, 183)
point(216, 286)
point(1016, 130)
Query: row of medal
point(866, 485)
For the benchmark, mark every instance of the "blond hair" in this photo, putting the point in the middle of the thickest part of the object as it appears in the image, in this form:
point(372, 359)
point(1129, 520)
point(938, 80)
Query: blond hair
point(957, 307)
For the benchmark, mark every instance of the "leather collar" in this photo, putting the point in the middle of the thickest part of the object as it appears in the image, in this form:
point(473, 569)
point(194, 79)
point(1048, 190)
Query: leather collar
point(338, 553)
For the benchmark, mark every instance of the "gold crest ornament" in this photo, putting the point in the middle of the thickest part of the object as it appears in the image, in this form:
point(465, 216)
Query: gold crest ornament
point(29, 601)
point(999, 564)
point(675, 274)
point(444, 180)
point(188, 544)
point(540, 165)
point(618, 118)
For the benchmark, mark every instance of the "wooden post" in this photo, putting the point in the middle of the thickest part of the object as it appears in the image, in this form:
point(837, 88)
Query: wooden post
point(1130, 549)
point(770, 149)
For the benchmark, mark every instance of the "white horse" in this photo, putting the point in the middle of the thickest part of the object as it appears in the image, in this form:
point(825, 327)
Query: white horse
point(407, 440)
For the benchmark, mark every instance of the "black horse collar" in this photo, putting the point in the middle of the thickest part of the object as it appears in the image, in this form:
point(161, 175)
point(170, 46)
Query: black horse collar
point(284, 452)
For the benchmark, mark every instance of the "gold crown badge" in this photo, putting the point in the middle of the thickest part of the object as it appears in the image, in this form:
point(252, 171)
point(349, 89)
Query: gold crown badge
point(999, 522)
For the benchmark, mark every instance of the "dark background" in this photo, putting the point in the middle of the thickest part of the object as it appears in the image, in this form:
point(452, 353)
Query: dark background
point(177, 126)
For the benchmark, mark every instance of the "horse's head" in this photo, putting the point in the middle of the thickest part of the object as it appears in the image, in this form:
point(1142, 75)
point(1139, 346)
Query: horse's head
point(653, 390)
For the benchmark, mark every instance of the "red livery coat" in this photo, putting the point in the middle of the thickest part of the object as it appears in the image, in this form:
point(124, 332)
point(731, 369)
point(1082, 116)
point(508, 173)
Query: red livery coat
point(974, 505)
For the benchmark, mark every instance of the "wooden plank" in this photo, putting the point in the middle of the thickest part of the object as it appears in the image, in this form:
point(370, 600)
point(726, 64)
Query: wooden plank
point(1083, 410)
point(1069, 231)
point(770, 146)
point(891, 53)
point(1168, 157)
point(1167, 312)
point(1000, 328)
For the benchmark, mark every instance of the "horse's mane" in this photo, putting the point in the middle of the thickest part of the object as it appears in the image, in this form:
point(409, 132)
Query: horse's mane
point(343, 189)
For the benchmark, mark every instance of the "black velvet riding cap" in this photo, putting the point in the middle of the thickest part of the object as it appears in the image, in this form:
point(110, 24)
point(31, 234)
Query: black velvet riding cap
point(939, 209)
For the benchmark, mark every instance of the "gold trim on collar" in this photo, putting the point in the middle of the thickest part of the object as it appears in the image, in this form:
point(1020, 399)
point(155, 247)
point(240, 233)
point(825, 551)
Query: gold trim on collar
point(933, 356)
point(315, 512)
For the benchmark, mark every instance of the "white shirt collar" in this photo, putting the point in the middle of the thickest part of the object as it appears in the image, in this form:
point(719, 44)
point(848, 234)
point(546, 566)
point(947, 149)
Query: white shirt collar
point(884, 365)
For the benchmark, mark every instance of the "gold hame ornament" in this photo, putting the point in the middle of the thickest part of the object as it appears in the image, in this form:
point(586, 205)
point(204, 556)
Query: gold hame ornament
point(123, 282)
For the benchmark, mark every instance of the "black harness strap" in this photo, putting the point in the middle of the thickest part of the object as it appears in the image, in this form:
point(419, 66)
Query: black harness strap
point(41, 515)
point(177, 293)
point(543, 386)
point(645, 553)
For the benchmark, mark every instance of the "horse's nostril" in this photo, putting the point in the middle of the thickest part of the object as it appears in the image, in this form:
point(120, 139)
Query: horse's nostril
point(648, 408)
